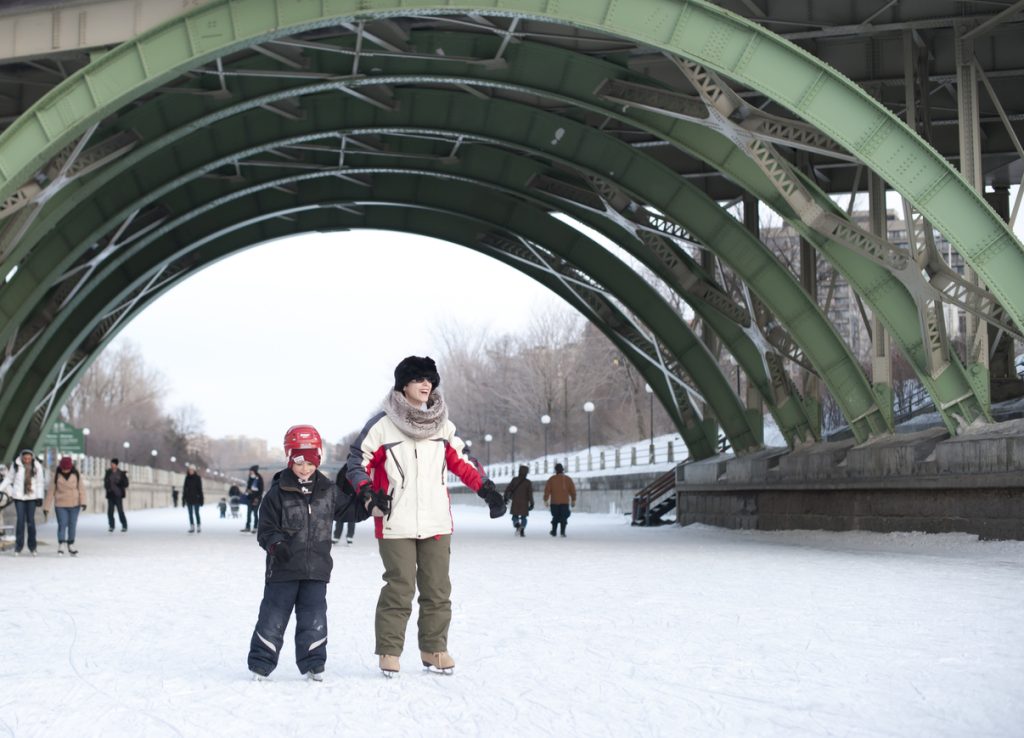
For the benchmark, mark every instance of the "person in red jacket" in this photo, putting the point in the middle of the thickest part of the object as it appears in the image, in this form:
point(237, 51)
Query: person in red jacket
point(397, 466)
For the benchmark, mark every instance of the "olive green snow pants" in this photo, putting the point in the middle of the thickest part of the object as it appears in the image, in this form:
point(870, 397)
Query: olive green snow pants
point(411, 563)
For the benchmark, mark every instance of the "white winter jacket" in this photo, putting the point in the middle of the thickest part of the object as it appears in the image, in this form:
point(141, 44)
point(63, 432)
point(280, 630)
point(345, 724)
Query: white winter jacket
point(14, 482)
point(414, 472)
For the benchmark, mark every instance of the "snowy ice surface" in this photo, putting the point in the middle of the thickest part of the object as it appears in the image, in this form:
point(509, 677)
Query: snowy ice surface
point(613, 631)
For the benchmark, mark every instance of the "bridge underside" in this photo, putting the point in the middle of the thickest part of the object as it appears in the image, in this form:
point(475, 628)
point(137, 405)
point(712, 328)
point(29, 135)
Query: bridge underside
point(499, 126)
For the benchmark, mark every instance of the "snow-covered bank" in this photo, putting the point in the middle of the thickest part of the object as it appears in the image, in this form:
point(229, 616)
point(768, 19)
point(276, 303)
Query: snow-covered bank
point(612, 631)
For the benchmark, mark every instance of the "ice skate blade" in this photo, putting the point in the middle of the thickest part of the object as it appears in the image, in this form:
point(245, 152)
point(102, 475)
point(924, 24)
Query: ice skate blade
point(259, 677)
point(389, 674)
point(314, 676)
point(435, 670)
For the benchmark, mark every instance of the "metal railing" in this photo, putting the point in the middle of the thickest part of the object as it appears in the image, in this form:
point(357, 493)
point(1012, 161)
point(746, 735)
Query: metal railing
point(650, 495)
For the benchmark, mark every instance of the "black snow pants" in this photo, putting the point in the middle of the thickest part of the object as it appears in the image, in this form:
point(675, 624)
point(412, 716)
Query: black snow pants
point(309, 599)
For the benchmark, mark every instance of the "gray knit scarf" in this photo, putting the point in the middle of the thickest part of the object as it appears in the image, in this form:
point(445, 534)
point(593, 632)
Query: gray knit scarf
point(413, 421)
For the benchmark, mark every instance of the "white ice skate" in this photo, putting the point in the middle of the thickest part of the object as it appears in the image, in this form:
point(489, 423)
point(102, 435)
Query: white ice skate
point(314, 676)
point(438, 662)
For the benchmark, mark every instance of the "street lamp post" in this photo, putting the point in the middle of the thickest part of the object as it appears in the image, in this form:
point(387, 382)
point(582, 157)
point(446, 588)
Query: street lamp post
point(545, 420)
point(650, 451)
point(127, 445)
point(487, 439)
point(588, 408)
point(512, 431)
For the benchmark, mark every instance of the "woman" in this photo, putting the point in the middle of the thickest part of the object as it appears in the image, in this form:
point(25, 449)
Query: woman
point(192, 498)
point(24, 483)
point(68, 497)
point(397, 466)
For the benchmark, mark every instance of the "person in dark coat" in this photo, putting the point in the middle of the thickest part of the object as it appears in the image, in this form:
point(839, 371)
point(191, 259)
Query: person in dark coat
point(192, 498)
point(115, 482)
point(295, 530)
point(254, 489)
point(349, 519)
point(520, 493)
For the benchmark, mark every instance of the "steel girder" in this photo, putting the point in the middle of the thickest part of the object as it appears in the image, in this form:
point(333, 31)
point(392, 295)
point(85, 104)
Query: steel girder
point(447, 226)
point(692, 29)
point(999, 249)
point(495, 215)
point(730, 321)
point(821, 341)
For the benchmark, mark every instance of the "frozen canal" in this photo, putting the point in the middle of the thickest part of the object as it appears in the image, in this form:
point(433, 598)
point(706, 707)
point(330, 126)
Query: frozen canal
point(613, 631)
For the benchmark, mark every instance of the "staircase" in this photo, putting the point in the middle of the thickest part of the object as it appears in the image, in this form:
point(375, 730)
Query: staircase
point(655, 500)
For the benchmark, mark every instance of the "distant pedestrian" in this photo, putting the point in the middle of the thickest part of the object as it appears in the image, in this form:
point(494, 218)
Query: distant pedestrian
point(254, 489)
point(519, 493)
point(560, 492)
point(68, 497)
point(25, 485)
point(398, 466)
point(192, 497)
point(233, 502)
point(295, 531)
point(115, 482)
point(223, 507)
point(349, 519)
point(174, 496)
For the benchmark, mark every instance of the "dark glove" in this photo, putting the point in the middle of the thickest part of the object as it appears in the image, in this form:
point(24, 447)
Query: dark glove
point(280, 552)
point(46, 515)
point(39, 503)
point(376, 499)
point(83, 508)
point(492, 497)
point(530, 506)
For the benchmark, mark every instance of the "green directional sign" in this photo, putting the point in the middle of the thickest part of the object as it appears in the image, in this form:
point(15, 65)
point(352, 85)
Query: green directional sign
point(65, 437)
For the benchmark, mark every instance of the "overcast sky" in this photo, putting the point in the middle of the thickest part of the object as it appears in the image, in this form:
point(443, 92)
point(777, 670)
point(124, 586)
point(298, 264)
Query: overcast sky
point(309, 329)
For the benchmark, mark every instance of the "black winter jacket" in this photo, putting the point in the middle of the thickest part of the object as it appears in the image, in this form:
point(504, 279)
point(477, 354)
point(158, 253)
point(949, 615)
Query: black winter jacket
point(116, 484)
point(303, 522)
point(192, 490)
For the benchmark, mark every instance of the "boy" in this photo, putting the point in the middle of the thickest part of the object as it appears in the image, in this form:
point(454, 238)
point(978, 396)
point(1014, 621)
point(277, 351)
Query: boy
point(295, 530)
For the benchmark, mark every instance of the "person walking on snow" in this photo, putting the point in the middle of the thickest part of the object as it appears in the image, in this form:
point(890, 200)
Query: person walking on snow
point(295, 530)
point(192, 498)
point(560, 491)
point(68, 497)
point(254, 488)
point(520, 493)
point(397, 467)
point(115, 482)
point(25, 485)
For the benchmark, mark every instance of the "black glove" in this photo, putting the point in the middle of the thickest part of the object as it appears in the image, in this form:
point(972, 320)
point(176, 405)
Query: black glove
point(376, 499)
point(492, 497)
point(83, 508)
point(280, 552)
point(46, 515)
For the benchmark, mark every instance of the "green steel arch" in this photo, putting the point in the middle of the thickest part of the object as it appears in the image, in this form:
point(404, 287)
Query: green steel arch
point(820, 336)
point(489, 212)
point(693, 30)
point(536, 69)
point(445, 226)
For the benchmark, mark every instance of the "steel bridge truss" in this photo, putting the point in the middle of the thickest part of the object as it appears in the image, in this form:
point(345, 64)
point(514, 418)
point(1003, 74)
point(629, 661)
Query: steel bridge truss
point(106, 180)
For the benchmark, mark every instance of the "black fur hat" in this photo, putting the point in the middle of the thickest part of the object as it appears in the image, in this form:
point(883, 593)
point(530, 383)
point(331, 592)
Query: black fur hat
point(415, 367)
